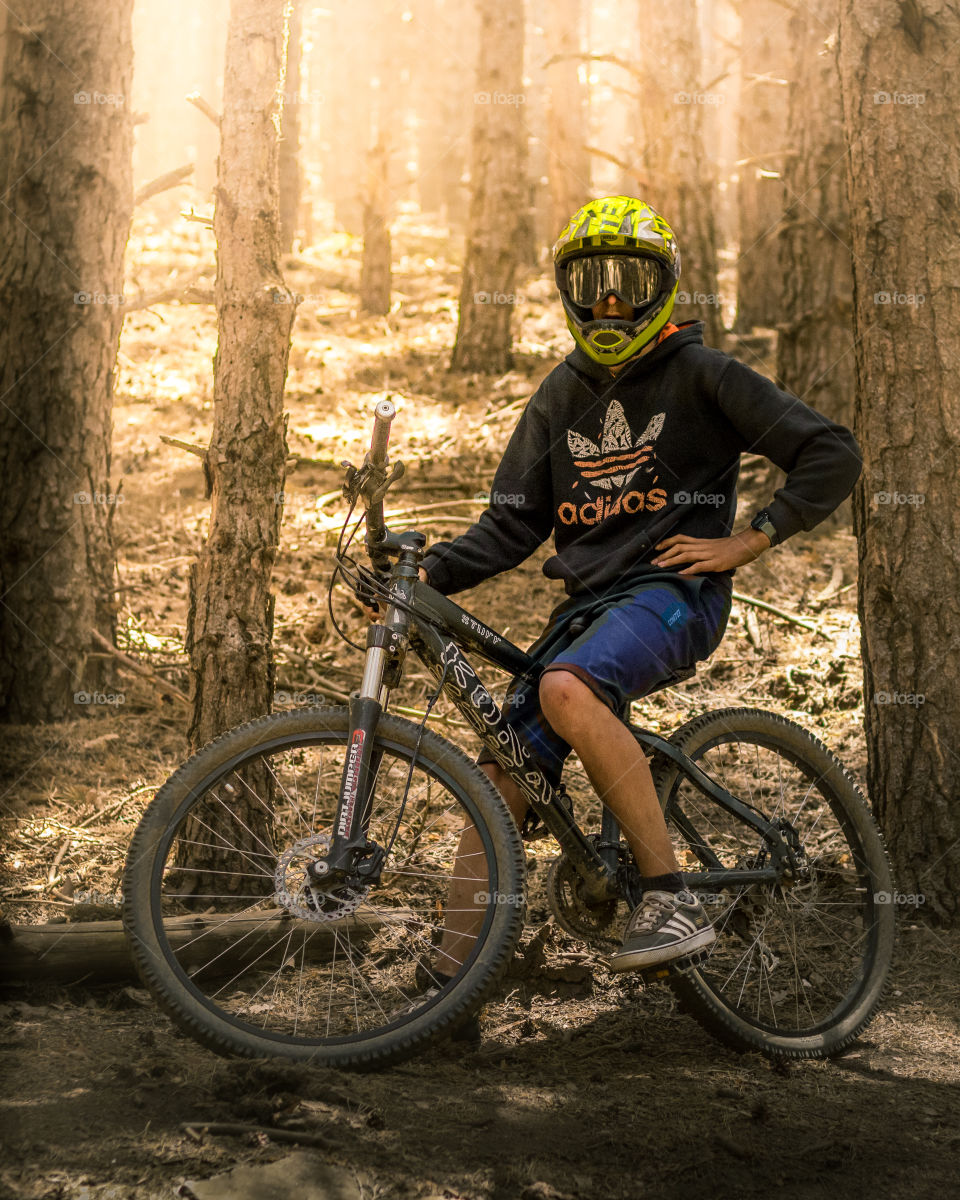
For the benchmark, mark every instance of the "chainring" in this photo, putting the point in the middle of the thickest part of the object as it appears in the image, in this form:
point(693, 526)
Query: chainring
point(591, 923)
point(310, 901)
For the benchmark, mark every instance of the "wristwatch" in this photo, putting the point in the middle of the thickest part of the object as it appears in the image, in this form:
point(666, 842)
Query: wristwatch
point(762, 522)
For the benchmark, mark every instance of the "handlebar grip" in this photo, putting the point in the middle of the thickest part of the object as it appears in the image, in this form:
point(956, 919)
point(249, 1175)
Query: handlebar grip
point(383, 414)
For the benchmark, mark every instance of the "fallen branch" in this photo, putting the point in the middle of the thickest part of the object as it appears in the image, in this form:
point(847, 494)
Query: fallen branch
point(784, 616)
point(99, 950)
point(193, 1128)
point(833, 587)
point(163, 183)
point(52, 875)
point(137, 669)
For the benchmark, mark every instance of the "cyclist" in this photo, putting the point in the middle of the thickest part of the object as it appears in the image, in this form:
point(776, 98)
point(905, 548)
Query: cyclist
point(628, 453)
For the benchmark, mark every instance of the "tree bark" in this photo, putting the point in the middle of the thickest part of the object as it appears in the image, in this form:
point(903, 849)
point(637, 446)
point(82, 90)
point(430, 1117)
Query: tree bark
point(498, 194)
point(289, 150)
point(815, 358)
point(65, 179)
point(762, 145)
point(680, 179)
point(568, 163)
point(230, 623)
point(898, 70)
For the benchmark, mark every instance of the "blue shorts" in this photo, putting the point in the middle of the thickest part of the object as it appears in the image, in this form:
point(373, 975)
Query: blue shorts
point(623, 646)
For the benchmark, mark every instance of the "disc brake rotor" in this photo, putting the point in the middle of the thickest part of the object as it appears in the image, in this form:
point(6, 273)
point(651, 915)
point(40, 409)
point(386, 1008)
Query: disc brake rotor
point(299, 895)
point(588, 922)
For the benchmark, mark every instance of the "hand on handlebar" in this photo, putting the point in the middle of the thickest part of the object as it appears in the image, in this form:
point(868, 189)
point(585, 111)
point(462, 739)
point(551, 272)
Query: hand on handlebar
point(372, 611)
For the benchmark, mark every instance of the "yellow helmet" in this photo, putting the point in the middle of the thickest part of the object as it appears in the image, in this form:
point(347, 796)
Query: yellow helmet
point(618, 244)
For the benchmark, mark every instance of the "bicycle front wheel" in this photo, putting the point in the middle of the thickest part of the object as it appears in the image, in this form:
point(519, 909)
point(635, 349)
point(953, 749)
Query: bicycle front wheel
point(250, 956)
point(796, 971)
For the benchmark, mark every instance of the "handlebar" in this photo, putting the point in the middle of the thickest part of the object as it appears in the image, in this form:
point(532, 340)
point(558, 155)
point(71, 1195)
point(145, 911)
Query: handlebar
point(383, 414)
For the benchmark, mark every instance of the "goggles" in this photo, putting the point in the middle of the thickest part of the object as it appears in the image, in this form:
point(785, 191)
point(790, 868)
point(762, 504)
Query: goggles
point(635, 280)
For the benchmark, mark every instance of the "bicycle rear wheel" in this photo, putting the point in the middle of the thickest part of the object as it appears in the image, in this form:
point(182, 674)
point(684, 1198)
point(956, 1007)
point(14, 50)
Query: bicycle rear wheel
point(251, 957)
point(795, 971)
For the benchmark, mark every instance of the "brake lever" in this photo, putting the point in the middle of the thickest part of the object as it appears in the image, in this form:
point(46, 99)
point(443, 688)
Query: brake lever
point(396, 473)
point(358, 480)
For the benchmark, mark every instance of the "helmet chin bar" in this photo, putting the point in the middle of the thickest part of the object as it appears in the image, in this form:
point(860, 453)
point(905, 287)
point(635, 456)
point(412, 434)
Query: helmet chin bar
point(610, 337)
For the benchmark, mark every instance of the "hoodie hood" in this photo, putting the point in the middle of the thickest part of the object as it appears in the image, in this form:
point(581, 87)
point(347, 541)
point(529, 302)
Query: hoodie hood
point(581, 362)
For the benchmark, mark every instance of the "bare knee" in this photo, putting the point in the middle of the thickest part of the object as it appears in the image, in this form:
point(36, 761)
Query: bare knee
point(563, 699)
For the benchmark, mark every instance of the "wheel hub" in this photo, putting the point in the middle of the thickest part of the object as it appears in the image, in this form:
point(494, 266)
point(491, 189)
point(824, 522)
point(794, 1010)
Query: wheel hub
point(305, 897)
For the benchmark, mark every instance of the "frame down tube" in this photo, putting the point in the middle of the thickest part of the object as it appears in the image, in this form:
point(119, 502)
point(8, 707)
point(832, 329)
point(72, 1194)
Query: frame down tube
point(480, 710)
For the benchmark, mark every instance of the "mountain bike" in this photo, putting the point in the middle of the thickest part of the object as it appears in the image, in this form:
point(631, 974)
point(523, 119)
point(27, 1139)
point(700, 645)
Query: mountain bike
point(287, 886)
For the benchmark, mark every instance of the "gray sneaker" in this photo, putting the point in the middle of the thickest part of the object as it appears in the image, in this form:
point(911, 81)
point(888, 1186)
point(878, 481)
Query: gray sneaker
point(663, 926)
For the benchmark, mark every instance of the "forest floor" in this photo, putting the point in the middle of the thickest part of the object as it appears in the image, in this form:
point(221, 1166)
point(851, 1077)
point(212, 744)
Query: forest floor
point(591, 1087)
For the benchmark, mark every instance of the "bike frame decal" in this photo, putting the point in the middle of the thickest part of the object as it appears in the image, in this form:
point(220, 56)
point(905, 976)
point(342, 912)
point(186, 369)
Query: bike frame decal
point(436, 609)
point(480, 710)
point(351, 783)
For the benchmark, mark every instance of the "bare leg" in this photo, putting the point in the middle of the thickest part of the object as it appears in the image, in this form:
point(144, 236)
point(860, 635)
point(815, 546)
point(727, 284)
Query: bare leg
point(615, 764)
point(464, 912)
point(620, 774)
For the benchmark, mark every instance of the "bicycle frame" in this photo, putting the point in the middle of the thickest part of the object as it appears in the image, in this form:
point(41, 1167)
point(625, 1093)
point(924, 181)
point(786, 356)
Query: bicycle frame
point(436, 628)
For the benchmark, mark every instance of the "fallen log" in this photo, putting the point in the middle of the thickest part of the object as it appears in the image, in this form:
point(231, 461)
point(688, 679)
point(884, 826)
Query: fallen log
point(98, 951)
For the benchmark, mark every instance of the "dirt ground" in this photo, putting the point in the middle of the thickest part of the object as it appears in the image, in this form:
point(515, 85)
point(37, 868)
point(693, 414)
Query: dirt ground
point(585, 1084)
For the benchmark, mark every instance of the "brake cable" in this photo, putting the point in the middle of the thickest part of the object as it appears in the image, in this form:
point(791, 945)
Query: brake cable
point(413, 759)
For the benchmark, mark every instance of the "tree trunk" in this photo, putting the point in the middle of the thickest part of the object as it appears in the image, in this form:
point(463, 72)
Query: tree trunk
point(66, 184)
point(765, 62)
point(815, 357)
point(347, 93)
point(289, 150)
point(230, 622)
point(898, 70)
point(375, 268)
point(681, 184)
point(498, 194)
point(445, 34)
point(568, 163)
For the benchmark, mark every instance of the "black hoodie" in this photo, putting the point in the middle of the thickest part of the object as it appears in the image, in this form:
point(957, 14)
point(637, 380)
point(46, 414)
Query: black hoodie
point(613, 465)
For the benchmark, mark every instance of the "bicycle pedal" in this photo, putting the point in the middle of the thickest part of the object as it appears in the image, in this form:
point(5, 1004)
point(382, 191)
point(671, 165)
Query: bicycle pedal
point(678, 966)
